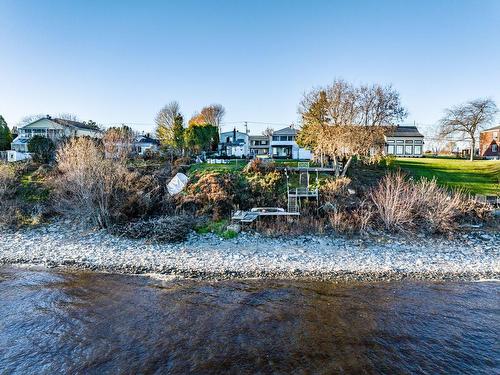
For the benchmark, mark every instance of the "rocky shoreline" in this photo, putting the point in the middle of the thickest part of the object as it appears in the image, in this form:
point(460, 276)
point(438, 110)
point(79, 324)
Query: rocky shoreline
point(469, 255)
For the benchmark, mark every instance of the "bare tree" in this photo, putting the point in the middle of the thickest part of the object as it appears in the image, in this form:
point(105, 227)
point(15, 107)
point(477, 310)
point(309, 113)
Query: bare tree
point(68, 116)
point(268, 132)
point(213, 115)
point(466, 119)
point(118, 142)
point(342, 121)
point(29, 119)
point(166, 120)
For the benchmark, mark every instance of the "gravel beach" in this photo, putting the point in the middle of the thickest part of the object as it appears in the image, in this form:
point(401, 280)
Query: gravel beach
point(469, 255)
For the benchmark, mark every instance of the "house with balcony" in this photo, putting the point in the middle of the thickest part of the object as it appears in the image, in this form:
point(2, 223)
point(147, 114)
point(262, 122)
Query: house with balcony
point(489, 143)
point(48, 127)
point(404, 141)
point(234, 144)
point(259, 145)
point(283, 145)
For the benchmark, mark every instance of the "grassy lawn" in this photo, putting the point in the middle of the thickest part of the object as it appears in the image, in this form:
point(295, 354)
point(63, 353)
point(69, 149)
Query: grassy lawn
point(232, 166)
point(476, 177)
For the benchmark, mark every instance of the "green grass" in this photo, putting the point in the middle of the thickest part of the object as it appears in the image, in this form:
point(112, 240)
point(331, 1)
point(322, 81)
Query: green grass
point(32, 190)
point(476, 177)
point(232, 166)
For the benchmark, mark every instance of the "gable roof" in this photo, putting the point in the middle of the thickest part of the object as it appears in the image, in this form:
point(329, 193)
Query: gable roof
point(286, 131)
point(75, 124)
point(146, 139)
point(490, 129)
point(67, 123)
point(404, 131)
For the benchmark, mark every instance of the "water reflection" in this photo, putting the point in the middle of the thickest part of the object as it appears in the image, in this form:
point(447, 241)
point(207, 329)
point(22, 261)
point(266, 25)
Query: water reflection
point(83, 322)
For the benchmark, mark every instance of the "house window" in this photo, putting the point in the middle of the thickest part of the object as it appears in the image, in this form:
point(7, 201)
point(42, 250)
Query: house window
point(390, 149)
point(494, 148)
point(390, 141)
point(276, 138)
point(400, 141)
point(418, 150)
point(399, 150)
point(283, 138)
point(291, 138)
point(419, 142)
point(409, 141)
point(409, 150)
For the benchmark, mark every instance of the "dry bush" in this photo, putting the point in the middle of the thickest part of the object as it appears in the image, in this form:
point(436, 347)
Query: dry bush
point(160, 229)
point(214, 194)
point(295, 226)
point(97, 189)
point(7, 181)
point(405, 205)
point(395, 200)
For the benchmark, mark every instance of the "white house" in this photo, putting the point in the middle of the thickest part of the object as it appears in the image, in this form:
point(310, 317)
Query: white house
point(234, 143)
point(144, 144)
point(404, 141)
point(284, 145)
point(259, 145)
point(48, 127)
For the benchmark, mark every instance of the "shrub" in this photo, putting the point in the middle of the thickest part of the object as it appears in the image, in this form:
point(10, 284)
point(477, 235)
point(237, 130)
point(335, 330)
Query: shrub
point(214, 194)
point(42, 149)
point(99, 190)
point(404, 204)
point(160, 229)
point(395, 200)
point(267, 189)
point(7, 181)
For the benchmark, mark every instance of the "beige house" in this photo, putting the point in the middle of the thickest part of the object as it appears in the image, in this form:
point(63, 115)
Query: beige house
point(48, 127)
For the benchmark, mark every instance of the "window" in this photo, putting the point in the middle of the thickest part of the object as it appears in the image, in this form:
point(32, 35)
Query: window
point(418, 142)
point(399, 150)
point(408, 150)
point(390, 149)
point(409, 141)
point(390, 141)
point(283, 138)
point(400, 141)
point(276, 138)
point(291, 138)
point(494, 148)
point(418, 150)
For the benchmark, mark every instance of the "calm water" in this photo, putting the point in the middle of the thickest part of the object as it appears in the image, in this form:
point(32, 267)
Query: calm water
point(82, 322)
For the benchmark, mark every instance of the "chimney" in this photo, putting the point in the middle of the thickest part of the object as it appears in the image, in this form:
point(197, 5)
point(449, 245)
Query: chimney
point(234, 134)
point(48, 116)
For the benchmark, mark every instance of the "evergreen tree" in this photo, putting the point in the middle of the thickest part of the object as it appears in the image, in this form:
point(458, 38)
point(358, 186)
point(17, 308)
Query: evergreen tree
point(5, 135)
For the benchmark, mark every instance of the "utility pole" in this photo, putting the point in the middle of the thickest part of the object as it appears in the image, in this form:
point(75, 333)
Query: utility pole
point(246, 127)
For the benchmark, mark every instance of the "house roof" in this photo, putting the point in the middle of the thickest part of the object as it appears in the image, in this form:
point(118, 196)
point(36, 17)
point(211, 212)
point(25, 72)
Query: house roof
point(493, 128)
point(146, 139)
point(404, 131)
point(259, 137)
point(286, 131)
point(75, 124)
point(67, 123)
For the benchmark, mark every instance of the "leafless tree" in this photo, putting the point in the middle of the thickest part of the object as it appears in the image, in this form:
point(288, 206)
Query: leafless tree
point(342, 120)
point(268, 132)
point(68, 116)
point(166, 116)
point(213, 115)
point(466, 119)
point(29, 119)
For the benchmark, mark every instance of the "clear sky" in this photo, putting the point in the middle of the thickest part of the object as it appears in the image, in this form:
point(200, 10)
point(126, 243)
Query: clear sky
point(121, 61)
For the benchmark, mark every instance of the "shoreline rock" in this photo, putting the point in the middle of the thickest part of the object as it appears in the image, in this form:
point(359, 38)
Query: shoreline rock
point(467, 256)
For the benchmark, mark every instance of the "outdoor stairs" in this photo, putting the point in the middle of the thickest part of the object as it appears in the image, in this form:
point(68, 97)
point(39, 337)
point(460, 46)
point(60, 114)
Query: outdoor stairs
point(293, 204)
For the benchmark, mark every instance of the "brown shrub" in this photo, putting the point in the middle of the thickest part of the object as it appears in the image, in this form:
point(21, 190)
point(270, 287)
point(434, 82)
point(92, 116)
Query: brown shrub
point(404, 204)
point(214, 194)
point(7, 181)
point(99, 190)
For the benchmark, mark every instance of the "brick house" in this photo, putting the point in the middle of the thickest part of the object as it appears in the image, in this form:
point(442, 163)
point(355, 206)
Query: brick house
point(489, 143)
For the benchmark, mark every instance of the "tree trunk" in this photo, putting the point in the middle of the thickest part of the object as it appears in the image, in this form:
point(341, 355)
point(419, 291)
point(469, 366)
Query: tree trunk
point(346, 165)
point(472, 148)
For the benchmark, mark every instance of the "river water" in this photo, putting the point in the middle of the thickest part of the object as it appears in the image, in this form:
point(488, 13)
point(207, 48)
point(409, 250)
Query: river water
point(84, 322)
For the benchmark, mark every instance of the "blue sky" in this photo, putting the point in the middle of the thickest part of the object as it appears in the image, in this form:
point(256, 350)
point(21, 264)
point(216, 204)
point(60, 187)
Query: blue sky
point(120, 61)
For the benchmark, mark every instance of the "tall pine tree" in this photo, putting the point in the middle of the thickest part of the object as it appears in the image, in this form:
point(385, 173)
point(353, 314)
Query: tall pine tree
point(5, 135)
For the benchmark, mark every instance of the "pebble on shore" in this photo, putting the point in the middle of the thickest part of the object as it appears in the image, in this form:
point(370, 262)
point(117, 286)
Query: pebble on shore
point(472, 255)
